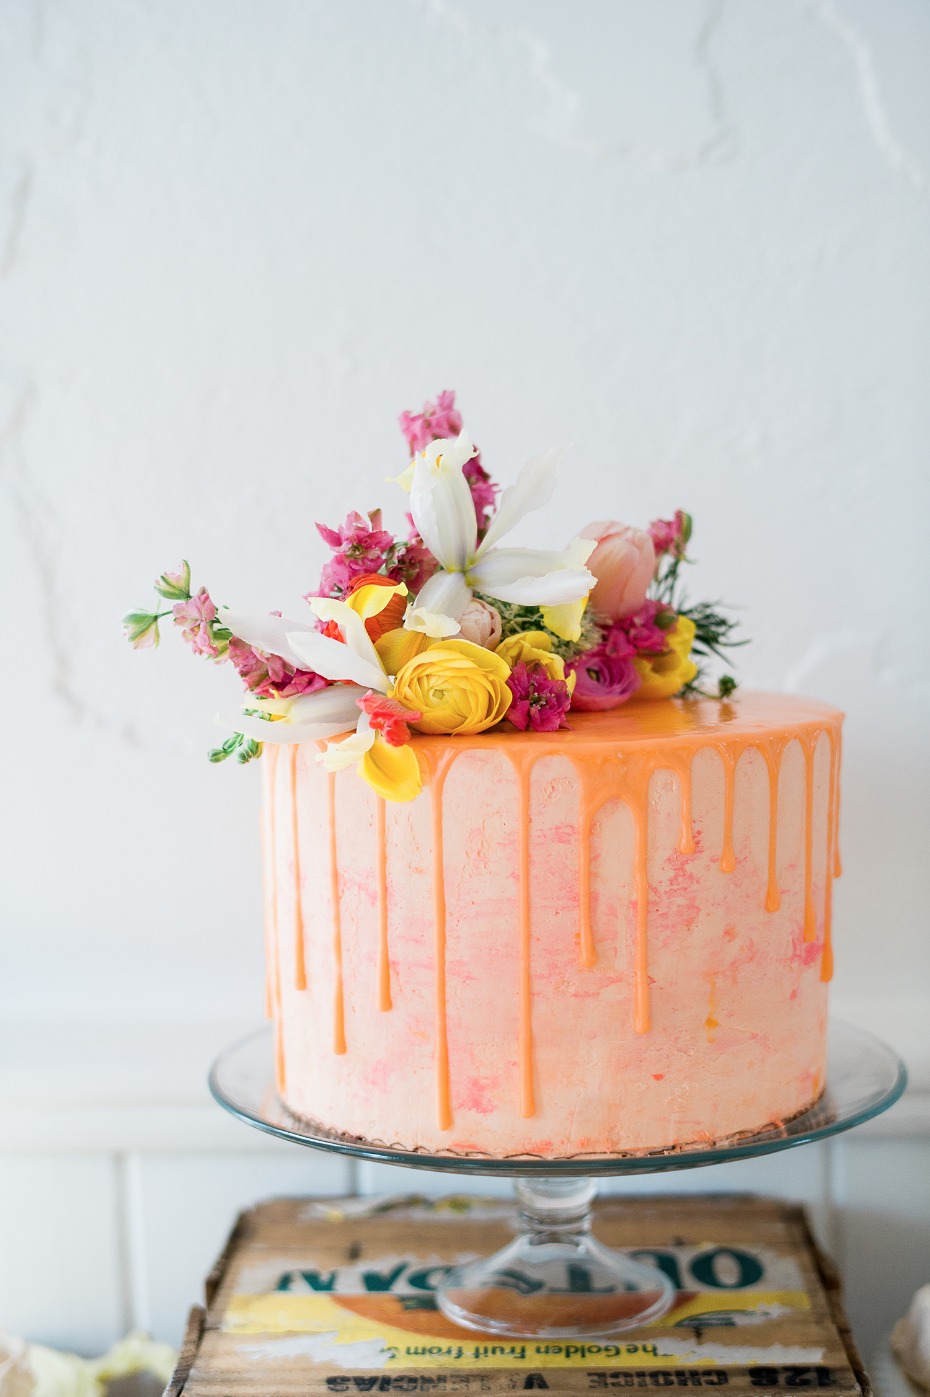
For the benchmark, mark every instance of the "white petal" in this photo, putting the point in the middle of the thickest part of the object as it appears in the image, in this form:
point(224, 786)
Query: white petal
point(338, 755)
point(335, 660)
point(306, 718)
point(533, 488)
point(267, 633)
point(447, 592)
point(531, 577)
point(352, 626)
point(436, 624)
point(441, 504)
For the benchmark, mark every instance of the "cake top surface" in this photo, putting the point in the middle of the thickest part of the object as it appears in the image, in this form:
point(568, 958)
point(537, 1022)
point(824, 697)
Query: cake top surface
point(444, 629)
point(691, 721)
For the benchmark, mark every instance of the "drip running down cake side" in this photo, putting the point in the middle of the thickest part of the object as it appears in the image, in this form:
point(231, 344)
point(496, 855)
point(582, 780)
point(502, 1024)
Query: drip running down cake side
point(610, 938)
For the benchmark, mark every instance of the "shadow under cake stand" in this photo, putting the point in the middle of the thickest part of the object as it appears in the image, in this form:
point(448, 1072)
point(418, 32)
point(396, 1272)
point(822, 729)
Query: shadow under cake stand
point(555, 1280)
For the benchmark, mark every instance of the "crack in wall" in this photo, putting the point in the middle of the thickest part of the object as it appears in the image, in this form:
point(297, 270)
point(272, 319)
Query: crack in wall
point(565, 104)
point(870, 95)
point(39, 531)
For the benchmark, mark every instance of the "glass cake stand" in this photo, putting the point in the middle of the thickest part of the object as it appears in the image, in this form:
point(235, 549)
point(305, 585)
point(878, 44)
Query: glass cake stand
point(555, 1280)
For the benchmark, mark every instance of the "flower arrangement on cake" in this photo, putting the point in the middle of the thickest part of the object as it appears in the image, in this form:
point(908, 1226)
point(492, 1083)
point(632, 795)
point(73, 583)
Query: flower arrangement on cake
point(449, 630)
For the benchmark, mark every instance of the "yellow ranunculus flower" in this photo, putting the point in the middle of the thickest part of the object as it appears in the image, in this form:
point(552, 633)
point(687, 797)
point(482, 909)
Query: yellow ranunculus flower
point(661, 676)
point(457, 686)
point(534, 648)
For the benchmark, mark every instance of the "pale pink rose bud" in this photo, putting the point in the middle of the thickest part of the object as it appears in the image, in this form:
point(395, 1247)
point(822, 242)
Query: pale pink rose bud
point(623, 562)
point(481, 624)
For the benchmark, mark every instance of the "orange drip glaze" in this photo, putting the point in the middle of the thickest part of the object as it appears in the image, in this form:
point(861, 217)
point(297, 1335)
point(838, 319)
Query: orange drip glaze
point(826, 959)
point(727, 856)
point(438, 768)
point(527, 1100)
point(300, 963)
point(280, 1072)
point(686, 838)
point(838, 761)
point(339, 1024)
point(810, 919)
point(384, 964)
point(641, 1018)
point(772, 752)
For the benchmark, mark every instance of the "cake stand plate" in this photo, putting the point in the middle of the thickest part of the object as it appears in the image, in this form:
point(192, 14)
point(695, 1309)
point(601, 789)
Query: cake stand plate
point(555, 1280)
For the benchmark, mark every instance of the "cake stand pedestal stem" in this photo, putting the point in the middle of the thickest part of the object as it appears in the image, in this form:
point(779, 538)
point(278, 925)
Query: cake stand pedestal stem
point(555, 1280)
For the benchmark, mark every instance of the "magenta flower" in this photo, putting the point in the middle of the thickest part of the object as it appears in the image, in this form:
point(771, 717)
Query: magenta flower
point(359, 545)
point(196, 618)
point(538, 702)
point(606, 676)
point(646, 630)
point(268, 676)
point(671, 535)
point(438, 419)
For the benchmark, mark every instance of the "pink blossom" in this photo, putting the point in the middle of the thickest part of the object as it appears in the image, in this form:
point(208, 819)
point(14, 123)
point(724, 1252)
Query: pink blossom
point(389, 718)
point(481, 624)
point(268, 676)
point(439, 419)
point(647, 630)
point(411, 562)
point(483, 491)
point(538, 702)
point(605, 677)
point(196, 617)
point(359, 545)
point(671, 535)
point(624, 563)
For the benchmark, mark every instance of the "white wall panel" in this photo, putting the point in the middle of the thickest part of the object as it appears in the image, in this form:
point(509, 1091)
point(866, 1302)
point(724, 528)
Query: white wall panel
point(181, 1208)
point(882, 1190)
point(61, 1279)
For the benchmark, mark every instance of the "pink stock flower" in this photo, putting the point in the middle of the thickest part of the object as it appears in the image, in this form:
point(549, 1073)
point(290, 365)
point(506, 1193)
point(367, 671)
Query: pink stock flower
point(389, 718)
point(483, 491)
point(268, 676)
point(359, 545)
point(647, 630)
point(439, 419)
point(671, 535)
point(538, 702)
point(605, 677)
point(411, 562)
point(196, 618)
point(623, 562)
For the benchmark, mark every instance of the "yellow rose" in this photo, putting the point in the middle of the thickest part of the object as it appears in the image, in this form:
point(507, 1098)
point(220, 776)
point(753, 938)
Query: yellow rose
point(535, 648)
point(459, 688)
point(661, 676)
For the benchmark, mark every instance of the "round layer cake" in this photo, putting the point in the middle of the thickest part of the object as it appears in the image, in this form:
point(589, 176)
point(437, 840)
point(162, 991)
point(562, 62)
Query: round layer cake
point(599, 940)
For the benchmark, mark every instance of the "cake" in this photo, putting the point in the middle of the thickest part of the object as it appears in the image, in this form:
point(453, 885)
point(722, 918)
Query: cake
point(532, 886)
point(614, 938)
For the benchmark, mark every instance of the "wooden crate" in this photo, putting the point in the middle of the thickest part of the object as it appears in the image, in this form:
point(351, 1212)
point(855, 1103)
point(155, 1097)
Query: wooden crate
point(322, 1296)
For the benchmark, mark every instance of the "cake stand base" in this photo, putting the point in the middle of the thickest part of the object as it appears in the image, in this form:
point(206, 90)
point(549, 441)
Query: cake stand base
point(555, 1280)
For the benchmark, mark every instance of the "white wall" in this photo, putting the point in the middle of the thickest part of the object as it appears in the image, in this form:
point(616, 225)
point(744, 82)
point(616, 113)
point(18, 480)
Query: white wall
point(236, 238)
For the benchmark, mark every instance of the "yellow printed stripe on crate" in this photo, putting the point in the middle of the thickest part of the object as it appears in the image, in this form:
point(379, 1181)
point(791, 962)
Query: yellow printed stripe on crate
point(419, 1336)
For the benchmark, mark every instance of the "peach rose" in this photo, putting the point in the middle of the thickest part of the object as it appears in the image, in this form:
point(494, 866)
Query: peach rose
point(623, 562)
point(481, 624)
